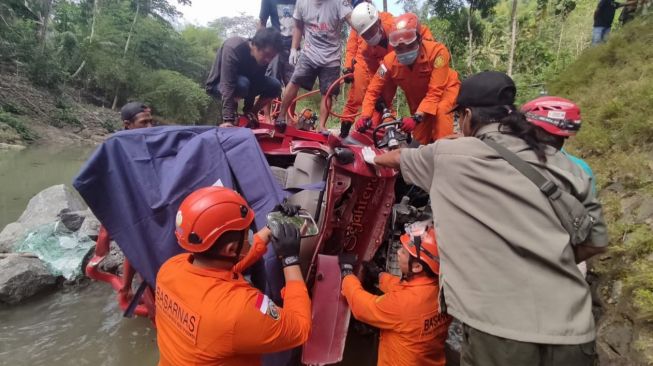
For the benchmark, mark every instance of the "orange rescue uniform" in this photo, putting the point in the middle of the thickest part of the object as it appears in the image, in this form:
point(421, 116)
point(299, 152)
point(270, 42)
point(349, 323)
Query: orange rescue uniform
point(425, 85)
point(214, 317)
point(413, 331)
point(365, 60)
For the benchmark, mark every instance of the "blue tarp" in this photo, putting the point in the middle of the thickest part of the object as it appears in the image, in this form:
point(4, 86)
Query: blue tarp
point(135, 181)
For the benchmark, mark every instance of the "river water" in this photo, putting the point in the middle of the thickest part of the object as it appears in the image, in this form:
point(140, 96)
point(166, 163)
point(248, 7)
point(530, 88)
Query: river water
point(81, 325)
point(27, 172)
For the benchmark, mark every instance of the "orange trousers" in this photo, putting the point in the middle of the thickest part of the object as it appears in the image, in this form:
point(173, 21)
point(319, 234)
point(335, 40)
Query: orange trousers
point(362, 77)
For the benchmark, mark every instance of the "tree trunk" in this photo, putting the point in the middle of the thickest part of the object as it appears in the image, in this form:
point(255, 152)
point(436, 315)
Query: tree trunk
point(562, 30)
point(470, 44)
point(90, 38)
point(513, 36)
point(385, 5)
point(131, 29)
point(124, 53)
point(45, 19)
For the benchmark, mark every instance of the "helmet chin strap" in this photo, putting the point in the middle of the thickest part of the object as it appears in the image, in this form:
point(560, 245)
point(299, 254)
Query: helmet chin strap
point(418, 245)
point(239, 248)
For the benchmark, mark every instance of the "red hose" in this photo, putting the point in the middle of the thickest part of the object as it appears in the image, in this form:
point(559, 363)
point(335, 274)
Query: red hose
point(338, 81)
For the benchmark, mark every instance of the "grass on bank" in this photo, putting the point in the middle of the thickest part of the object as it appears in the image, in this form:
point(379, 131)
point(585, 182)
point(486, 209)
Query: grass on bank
point(613, 84)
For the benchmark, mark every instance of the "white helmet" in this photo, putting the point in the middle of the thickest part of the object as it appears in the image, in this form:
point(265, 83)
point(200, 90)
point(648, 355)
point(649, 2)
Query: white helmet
point(364, 16)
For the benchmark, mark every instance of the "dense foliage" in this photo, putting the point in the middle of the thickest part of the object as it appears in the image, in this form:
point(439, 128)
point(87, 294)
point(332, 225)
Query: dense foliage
point(119, 50)
point(115, 50)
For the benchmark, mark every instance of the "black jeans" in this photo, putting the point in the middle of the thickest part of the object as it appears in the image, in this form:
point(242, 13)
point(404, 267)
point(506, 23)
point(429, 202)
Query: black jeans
point(266, 87)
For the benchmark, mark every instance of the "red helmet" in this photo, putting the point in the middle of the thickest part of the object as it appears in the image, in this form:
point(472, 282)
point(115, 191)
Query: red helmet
point(419, 241)
point(557, 116)
point(404, 30)
point(208, 213)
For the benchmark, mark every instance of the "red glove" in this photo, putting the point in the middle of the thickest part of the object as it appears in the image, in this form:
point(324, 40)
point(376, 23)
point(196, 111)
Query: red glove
point(363, 123)
point(408, 124)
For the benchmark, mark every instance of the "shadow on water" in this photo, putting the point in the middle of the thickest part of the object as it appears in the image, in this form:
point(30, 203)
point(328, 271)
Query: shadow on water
point(25, 173)
point(81, 326)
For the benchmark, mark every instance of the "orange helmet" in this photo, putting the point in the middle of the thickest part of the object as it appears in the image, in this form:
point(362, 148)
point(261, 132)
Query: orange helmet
point(419, 241)
point(404, 30)
point(208, 213)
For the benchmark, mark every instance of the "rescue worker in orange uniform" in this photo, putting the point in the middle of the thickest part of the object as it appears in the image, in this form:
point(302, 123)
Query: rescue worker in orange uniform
point(207, 314)
point(413, 331)
point(367, 45)
point(420, 67)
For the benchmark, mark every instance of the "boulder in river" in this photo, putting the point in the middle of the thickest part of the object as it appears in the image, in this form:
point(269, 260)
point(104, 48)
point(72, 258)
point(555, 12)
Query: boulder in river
point(9, 235)
point(48, 206)
point(45, 207)
point(22, 276)
point(91, 226)
point(112, 263)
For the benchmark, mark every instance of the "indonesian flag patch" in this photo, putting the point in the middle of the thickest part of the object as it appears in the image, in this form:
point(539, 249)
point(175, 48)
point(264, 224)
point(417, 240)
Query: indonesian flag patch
point(382, 70)
point(267, 306)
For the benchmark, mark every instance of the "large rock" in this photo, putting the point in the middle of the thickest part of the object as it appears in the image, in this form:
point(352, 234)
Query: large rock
point(614, 342)
point(72, 220)
point(23, 276)
point(90, 227)
point(645, 210)
point(9, 235)
point(112, 263)
point(44, 208)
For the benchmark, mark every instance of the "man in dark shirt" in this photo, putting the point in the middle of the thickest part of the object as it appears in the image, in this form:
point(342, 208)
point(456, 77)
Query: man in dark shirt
point(239, 72)
point(603, 17)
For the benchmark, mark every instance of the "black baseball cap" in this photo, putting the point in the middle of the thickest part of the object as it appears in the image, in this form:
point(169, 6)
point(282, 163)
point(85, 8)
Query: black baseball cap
point(486, 89)
point(131, 109)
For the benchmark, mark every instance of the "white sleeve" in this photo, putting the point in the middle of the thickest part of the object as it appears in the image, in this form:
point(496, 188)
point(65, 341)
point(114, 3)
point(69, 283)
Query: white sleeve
point(299, 10)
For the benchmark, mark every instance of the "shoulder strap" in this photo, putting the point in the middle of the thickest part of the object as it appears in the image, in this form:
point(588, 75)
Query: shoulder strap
point(547, 187)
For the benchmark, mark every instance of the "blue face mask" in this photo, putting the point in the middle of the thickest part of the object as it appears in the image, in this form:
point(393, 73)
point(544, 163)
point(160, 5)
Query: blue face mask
point(407, 58)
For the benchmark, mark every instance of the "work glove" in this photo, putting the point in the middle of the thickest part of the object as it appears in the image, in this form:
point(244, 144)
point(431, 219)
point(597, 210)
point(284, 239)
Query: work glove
point(408, 124)
point(363, 124)
point(345, 126)
point(294, 56)
point(372, 271)
point(285, 239)
point(286, 208)
point(346, 71)
point(281, 125)
point(380, 106)
point(368, 155)
point(252, 120)
point(347, 262)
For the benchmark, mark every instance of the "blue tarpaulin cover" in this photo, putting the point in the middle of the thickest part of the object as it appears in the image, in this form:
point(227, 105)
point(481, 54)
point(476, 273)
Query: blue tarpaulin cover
point(135, 181)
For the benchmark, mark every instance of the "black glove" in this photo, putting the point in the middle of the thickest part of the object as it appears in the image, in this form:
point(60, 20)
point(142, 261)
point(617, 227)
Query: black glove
point(346, 71)
point(252, 120)
point(287, 209)
point(379, 105)
point(285, 240)
point(347, 262)
point(345, 126)
point(372, 271)
point(281, 125)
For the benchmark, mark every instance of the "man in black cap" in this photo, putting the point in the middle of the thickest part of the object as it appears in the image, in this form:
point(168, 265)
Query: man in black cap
point(136, 115)
point(508, 265)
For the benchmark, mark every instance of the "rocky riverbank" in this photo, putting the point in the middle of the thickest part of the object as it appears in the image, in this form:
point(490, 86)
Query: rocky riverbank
point(48, 245)
point(31, 115)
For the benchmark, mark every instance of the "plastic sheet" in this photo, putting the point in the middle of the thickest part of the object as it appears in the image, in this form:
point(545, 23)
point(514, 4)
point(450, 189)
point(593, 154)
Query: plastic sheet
point(60, 249)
